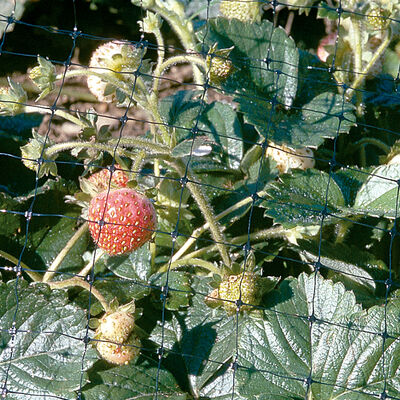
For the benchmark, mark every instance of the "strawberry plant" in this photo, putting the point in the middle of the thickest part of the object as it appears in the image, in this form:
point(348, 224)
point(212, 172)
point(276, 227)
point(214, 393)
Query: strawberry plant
point(244, 245)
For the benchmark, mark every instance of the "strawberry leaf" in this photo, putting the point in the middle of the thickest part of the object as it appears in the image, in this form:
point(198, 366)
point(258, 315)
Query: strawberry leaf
point(300, 198)
point(45, 358)
point(343, 349)
point(379, 195)
point(346, 263)
point(134, 381)
point(134, 266)
point(179, 291)
point(222, 125)
point(181, 110)
point(308, 126)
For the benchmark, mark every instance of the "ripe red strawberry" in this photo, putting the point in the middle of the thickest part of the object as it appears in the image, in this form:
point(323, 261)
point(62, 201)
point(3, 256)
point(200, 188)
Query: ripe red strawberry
point(102, 178)
point(129, 220)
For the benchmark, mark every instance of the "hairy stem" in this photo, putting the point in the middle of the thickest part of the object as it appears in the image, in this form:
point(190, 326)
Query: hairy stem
point(205, 208)
point(83, 284)
point(199, 231)
point(191, 262)
point(378, 53)
point(131, 142)
point(48, 276)
point(181, 59)
point(36, 277)
point(60, 113)
point(184, 31)
point(375, 142)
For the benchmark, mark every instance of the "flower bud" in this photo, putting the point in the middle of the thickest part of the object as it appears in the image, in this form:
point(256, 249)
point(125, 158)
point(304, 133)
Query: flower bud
point(12, 99)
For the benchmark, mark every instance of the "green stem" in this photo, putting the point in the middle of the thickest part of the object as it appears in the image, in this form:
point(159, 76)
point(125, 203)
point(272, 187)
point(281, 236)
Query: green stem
point(48, 276)
point(182, 59)
point(357, 59)
point(361, 77)
point(83, 284)
point(375, 142)
point(184, 30)
point(191, 262)
point(142, 144)
point(205, 208)
point(199, 231)
point(60, 113)
point(270, 233)
point(36, 277)
point(160, 59)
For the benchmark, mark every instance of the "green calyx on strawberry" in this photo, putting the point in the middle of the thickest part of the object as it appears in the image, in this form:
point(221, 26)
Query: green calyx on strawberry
point(243, 10)
point(121, 221)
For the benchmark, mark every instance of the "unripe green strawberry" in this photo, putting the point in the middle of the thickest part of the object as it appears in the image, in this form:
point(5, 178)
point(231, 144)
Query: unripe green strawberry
point(101, 179)
point(129, 220)
point(288, 158)
point(378, 18)
point(243, 10)
point(116, 326)
point(116, 59)
point(119, 354)
point(219, 66)
point(231, 288)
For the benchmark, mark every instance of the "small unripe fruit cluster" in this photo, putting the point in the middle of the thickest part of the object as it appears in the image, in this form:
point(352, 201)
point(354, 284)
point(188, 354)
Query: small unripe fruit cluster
point(243, 10)
point(116, 341)
point(288, 158)
point(243, 286)
point(219, 66)
point(378, 18)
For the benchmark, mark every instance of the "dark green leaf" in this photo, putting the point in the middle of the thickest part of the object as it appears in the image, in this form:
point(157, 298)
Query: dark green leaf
point(45, 358)
point(350, 262)
point(222, 122)
point(300, 198)
point(135, 266)
point(314, 79)
point(379, 195)
point(54, 241)
point(192, 337)
point(319, 119)
point(181, 110)
point(137, 382)
point(350, 181)
point(179, 291)
point(343, 349)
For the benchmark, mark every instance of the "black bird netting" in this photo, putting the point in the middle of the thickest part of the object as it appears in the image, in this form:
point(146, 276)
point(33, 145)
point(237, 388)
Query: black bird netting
point(199, 199)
